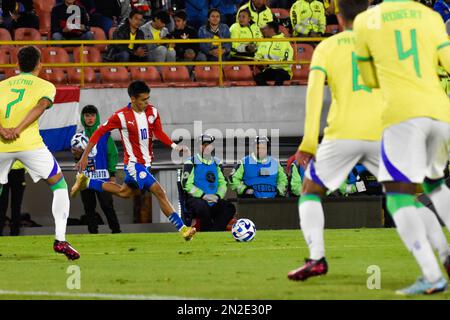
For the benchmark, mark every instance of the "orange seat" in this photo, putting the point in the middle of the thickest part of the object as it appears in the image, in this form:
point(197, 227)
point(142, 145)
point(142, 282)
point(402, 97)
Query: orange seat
point(5, 36)
point(111, 32)
point(207, 76)
point(90, 54)
point(177, 76)
point(303, 51)
point(13, 54)
point(238, 75)
point(333, 29)
point(74, 76)
point(54, 75)
point(300, 73)
point(27, 34)
point(114, 76)
point(54, 55)
point(44, 5)
point(149, 75)
point(99, 34)
point(280, 13)
point(45, 22)
point(11, 72)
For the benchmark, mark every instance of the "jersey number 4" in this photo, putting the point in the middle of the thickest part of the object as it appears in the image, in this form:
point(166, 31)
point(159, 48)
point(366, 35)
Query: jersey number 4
point(21, 92)
point(412, 52)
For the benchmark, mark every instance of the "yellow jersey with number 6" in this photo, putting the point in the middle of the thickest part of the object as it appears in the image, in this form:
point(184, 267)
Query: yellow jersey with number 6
point(405, 40)
point(19, 95)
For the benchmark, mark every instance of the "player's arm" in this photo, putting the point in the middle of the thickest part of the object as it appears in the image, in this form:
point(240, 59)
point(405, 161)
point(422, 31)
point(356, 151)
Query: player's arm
point(164, 138)
point(282, 180)
point(32, 116)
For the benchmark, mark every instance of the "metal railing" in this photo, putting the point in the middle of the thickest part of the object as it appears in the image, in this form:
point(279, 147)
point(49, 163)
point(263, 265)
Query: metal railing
point(221, 63)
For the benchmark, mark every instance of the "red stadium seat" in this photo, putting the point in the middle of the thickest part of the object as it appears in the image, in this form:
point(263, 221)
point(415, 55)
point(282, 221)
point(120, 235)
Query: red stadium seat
point(54, 75)
point(303, 51)
point(114, 76)
point(280, 13)
point(207, 76)
point(5, 36)
point(11, 72)
point(177, 77)
point(333, 29)
point(238, 76)
point(99, 34)
point(110, 32)
point(300, 73)
point(90, 54)
point(13, 54)
point(45, 22)
point(150, 75)
point(44, 5)
point(74, 76)
point(27, 34)
point(54, 55)
point(285, 31)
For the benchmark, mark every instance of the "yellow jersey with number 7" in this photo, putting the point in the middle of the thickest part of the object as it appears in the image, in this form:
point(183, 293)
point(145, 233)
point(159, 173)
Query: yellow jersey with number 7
point(405, 40)
point(19, 95)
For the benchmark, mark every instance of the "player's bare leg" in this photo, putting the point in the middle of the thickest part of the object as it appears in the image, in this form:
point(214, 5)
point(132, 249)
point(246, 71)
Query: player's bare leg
point(169, 211)
point(60, 210)
point(400, 202)
point(312, 225)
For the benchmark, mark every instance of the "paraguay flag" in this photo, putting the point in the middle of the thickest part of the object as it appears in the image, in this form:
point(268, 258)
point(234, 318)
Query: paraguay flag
point(58, 124)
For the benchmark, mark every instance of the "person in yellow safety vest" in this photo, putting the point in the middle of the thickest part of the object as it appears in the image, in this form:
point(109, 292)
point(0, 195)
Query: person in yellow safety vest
point(15, 187)
point(445, 80)
point(308, 16)
point(278, 51)
point(244, 29)
point(260, 12)
point(330, 7)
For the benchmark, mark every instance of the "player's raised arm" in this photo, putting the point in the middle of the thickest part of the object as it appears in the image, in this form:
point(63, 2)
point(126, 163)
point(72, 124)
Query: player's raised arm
point(164, 138)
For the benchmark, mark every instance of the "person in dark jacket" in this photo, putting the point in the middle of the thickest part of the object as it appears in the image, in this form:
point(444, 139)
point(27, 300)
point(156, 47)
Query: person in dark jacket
point(62, 28)
point(19, 14)
point(106, 14)
point(197, 12)
point(129, 30)
point(214, 30)
point(101, 166)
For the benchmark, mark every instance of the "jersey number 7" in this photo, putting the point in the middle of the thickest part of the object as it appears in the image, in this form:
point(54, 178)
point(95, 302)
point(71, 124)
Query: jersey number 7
point(21, 92)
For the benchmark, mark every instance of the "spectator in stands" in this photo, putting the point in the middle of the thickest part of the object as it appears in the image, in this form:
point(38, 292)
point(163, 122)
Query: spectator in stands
point(244, 29)
point(259, 175)
point(214, 30)
point(443, 8)
point(284, 4)
point(197, 12)
point(227, 8)
point(107, 14)
point(260, 12)
point(331, 10)
point(185, 51)
point(63, 29)
point(137, 5)
point(156, 30)
point(19, 14)
point(278, 51)
point(308, 18)
point(129, 30)
point(15, 186)
point(101, 166)
point(445, 79)
point(205, 184)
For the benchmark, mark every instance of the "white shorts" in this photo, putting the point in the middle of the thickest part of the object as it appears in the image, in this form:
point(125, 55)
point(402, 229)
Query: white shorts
point(414, 150)
point(39, 163)
point(335, 159)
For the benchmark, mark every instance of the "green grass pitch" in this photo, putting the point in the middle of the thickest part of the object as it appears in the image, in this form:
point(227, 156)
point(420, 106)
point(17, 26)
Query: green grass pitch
point(212, 266)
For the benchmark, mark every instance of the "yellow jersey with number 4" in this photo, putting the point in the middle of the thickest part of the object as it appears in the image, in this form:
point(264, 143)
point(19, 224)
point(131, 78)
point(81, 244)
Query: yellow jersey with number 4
point(355, 111)
point(19, 95)
point(405, 40)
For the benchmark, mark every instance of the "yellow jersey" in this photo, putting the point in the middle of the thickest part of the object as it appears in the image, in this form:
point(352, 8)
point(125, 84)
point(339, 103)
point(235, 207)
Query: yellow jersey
point(355, 111)
point(19, 95)
point(132, 37)
point(404, 41)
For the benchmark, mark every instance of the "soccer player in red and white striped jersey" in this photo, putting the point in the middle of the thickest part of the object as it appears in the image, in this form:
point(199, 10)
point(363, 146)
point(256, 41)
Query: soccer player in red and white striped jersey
point(138, 123)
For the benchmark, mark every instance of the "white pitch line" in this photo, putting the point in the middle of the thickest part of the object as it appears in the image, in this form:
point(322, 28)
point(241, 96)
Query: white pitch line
point(95, 295)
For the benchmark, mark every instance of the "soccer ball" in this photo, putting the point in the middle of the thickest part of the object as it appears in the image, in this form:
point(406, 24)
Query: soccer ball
point(243, 230)
point(79, 141)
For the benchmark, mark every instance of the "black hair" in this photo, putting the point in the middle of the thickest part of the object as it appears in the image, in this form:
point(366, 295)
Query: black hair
point(349, 9)
point(247, 10)
point(273, 25)
point(163, 16)
point(28, 58)
point(181, 14)
point(212, 10)
point(137, 87)
point(90, 108)
point(135, 12)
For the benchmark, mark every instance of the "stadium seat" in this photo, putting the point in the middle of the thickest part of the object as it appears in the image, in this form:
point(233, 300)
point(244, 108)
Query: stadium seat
point(238, 76)
point(27, 34)
point(54, 55)
point(74, 76)
point(150, 75)
point(44, 5)
point(207, 76)
point(280, 13)
point(110, 32)
point(5, 36)
point(285, 31)
point(54, 75)
point(13, 54)
point(333, 29)
point(11, 72)
point(44, 22)
point(90, 54)
point(99, 34)
point(177, 77)
point(116, 77)
point(300, 73)
point(303, 51)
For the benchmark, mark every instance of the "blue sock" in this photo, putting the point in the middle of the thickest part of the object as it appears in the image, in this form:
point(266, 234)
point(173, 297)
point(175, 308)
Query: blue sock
point(96, 185)
point(175, 219)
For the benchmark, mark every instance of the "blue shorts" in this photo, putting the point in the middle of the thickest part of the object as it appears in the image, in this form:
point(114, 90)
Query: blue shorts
point(137, 176)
